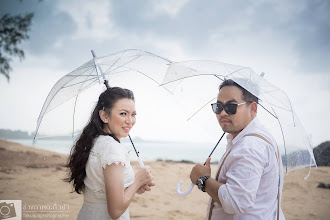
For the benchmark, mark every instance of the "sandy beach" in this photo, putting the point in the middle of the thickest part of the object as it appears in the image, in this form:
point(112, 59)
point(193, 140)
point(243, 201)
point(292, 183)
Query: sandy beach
point(35, 177)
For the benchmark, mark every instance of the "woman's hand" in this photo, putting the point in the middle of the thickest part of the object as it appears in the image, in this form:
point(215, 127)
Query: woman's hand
point(117, 195)
point(144, 188)
point(143, 177)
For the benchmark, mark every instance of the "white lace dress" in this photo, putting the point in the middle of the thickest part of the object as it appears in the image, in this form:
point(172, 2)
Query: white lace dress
point(105, 151)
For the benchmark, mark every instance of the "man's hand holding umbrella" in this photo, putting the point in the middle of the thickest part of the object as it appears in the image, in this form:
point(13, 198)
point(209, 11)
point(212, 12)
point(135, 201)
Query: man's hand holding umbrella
point(199, 171)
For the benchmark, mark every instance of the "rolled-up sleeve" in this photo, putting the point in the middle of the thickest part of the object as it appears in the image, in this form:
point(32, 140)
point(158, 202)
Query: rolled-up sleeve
point(243, 178)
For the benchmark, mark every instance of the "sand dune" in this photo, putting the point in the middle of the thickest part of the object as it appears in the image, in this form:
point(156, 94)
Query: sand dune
point(34, 176)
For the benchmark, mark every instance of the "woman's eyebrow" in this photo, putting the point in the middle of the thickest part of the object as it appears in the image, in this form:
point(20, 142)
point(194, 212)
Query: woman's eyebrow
point(125, 110)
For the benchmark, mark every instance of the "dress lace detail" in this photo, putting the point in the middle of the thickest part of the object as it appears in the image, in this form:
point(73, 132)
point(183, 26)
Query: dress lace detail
point(110, 152)
point(105, 151)
point(105, 163)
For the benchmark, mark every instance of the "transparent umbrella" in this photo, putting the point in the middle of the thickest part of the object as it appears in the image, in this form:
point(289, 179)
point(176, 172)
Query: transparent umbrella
point(132, 69)
point(196, 84)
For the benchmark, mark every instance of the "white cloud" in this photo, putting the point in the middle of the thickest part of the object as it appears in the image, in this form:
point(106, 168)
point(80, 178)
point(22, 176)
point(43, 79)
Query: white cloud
point(91, 17)
point(22, 98)
point(288, 9)
point(169, 7)
point(171, 49)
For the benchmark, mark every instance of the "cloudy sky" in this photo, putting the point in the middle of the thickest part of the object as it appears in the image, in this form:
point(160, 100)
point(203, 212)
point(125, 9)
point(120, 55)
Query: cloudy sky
point(289, 41)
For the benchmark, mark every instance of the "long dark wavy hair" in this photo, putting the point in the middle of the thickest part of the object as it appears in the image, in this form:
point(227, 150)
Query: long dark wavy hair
point(80, 151)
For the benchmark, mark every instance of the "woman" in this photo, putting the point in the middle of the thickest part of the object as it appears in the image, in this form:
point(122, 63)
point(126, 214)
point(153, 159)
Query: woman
point(100, 167)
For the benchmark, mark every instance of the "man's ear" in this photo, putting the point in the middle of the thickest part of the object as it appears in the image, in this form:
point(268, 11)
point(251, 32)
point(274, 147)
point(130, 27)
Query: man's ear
point(104, 116)
point(254, 107)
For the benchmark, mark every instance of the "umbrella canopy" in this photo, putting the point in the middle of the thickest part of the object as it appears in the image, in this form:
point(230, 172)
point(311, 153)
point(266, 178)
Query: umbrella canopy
point(123, 69)
point(133, 69)
point(196, 84)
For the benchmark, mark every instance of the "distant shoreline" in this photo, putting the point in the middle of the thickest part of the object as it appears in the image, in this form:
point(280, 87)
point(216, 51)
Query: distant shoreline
point(183, 161)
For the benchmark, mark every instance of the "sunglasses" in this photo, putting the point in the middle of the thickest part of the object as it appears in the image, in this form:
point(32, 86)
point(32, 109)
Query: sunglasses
point(230, 108)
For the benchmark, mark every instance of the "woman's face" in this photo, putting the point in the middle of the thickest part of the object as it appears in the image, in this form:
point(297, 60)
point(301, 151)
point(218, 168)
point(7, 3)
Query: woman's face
point(122, 118)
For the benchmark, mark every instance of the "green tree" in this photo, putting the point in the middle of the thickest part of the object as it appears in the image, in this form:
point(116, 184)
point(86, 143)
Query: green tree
point(13, 30)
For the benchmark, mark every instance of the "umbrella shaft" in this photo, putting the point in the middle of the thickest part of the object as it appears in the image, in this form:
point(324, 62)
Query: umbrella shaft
point(137, 153)
point(106, 83)
point(216, 145)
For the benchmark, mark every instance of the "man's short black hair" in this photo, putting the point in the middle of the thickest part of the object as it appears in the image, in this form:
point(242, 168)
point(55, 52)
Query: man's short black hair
point(247, 96)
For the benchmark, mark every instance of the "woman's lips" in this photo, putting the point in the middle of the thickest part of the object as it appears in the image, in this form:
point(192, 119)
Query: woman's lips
point(126, 129)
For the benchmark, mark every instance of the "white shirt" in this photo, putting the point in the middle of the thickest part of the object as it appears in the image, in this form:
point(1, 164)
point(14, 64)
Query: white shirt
point(105, 151)
point(250, 176)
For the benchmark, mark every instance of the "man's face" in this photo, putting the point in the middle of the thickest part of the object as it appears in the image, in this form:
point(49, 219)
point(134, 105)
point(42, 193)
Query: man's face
point(235, 123)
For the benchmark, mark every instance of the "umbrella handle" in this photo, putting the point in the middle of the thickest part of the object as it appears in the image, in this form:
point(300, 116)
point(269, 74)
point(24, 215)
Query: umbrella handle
point(140, 162)
point(178, 190)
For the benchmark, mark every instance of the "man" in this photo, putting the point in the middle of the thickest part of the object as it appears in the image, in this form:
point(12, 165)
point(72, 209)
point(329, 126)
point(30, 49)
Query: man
point(250, 180)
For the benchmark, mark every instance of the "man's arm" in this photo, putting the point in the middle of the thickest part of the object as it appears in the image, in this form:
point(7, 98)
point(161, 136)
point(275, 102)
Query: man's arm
point(211, 185)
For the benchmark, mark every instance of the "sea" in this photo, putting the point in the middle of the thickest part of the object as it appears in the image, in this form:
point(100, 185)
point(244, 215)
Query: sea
point(148, 150)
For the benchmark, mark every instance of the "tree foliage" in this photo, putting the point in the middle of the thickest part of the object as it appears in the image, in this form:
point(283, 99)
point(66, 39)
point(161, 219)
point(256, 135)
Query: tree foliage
point(13, 30)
